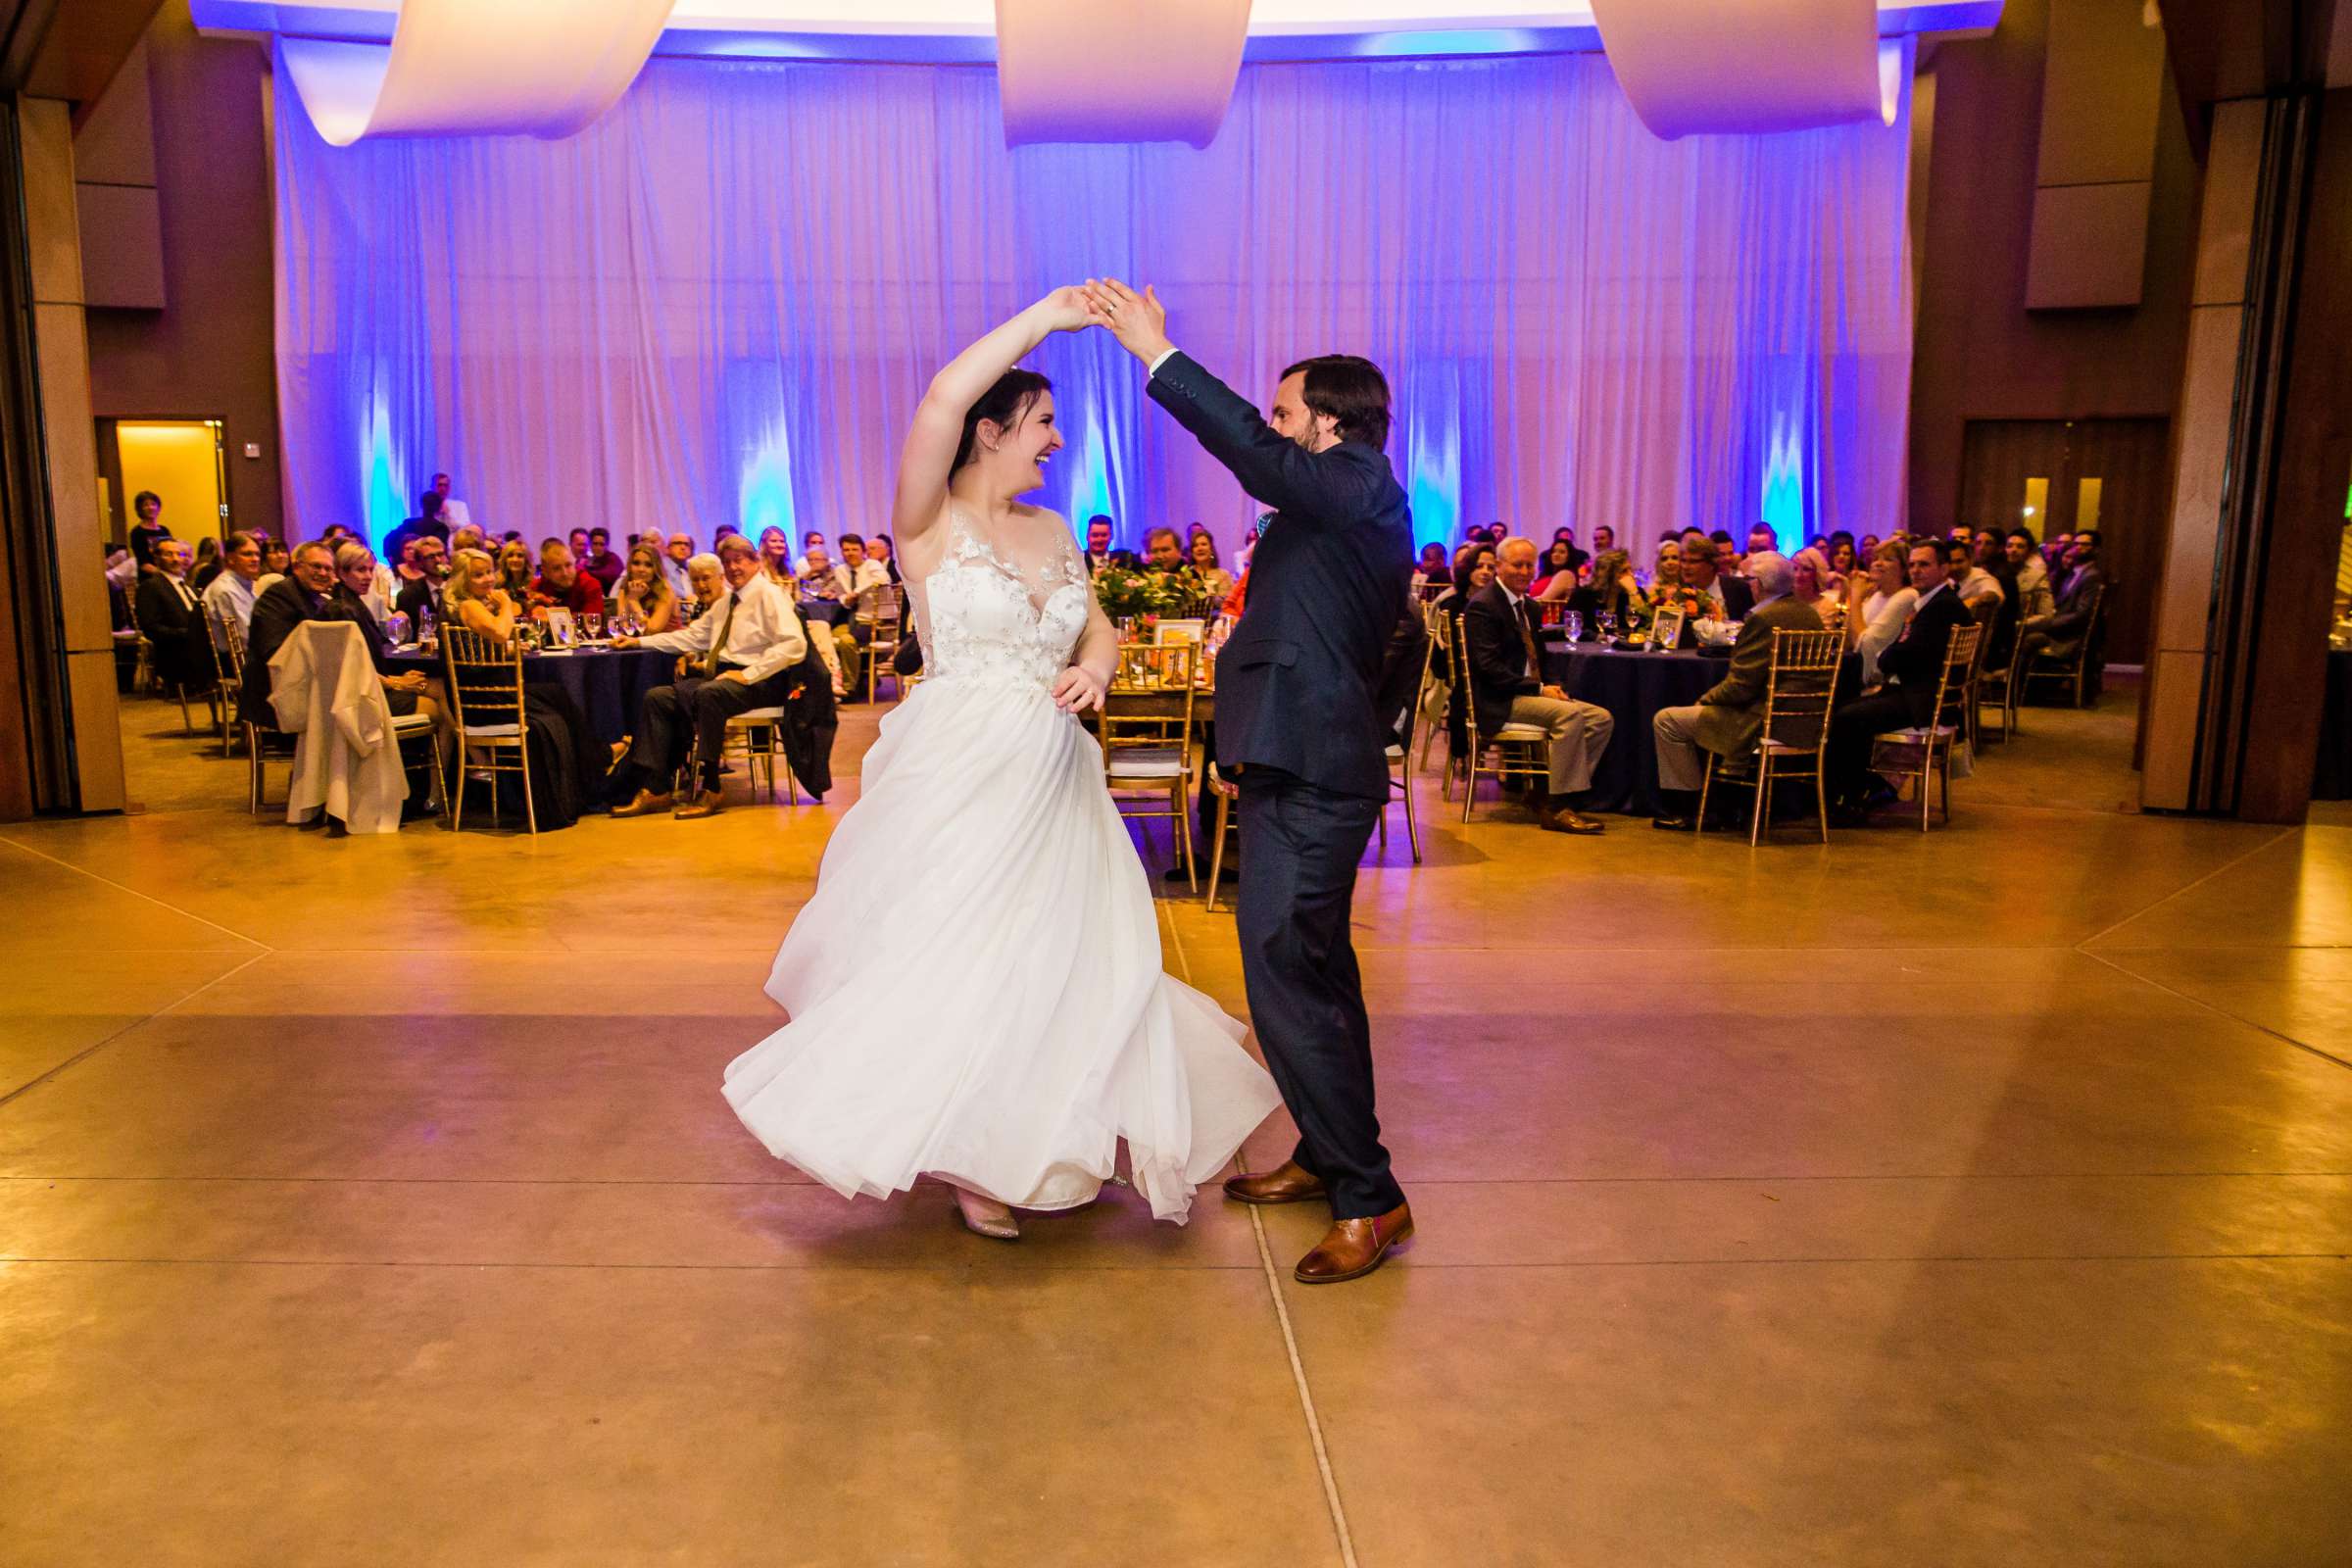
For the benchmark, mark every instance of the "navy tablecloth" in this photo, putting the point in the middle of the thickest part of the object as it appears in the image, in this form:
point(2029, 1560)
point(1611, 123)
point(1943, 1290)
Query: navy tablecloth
point(1632, 687)
point(2331, 777)
point(606, 685)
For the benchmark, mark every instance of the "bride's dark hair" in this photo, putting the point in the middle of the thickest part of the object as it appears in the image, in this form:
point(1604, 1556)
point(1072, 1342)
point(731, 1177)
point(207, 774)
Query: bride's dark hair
point(1003, 405)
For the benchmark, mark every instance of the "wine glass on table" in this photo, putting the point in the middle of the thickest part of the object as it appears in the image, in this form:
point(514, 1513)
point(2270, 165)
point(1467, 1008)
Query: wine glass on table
point(1574, 620)
point(594, 622)
point(1608, 626)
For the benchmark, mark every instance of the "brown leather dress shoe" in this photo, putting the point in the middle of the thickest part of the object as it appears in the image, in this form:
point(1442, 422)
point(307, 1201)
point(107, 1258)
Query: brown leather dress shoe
point(1287, 1183)
point(1354, 1247)
point(707, 803)
point(645, 802)
point(1567, 820)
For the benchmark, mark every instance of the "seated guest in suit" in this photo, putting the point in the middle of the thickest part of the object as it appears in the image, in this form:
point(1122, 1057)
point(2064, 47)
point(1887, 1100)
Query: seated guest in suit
point(1507, 686)
point(600, 562)
point(1097, 542)
point(1972, 582)
point(2060, 633)
point(1729, 718)
point(423, 584)
point(1163, 556)
point(281, 605)
point(406, 691)
point(172, 619)
point(1216, 582)
point(1724, 598)
point(231, 594)
point(562, 584)
point(645, 591)
point(1761, 539)
point(1879, 605)
point(1912, 666)
point(2032, 577)
point(744, 652)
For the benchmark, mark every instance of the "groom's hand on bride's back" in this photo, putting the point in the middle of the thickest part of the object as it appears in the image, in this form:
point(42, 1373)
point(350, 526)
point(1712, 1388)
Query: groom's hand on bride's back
point(1138, 320)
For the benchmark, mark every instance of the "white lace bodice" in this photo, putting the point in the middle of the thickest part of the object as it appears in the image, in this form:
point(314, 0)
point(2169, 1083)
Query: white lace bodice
point(992, 615)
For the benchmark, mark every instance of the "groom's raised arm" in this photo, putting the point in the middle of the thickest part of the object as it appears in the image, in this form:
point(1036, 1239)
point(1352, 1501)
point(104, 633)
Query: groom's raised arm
point(1269, 465)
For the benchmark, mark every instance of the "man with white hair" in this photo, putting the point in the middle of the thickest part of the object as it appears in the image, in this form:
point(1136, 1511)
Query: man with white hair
point(1507, 686)
point(740, 654)
point(1729, 718)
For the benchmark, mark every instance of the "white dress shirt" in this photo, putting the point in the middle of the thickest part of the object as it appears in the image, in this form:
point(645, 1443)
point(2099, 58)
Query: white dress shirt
point(764, 639)
point(455, 513)
point(231, 595)
point(1979, 582)
point(868, 573)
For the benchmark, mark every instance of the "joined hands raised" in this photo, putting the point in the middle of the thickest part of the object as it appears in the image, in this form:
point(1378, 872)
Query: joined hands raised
point(1140, 322)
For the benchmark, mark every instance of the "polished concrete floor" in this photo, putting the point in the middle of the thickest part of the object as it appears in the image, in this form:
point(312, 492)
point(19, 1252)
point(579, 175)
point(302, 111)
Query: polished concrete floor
point(1980, 1198)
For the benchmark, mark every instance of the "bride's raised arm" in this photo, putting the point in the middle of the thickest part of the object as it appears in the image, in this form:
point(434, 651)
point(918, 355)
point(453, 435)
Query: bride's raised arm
point(929, 456)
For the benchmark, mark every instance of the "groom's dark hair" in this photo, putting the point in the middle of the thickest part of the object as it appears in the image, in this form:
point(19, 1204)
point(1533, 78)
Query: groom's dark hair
point(1002, 405)
point(1352, 391)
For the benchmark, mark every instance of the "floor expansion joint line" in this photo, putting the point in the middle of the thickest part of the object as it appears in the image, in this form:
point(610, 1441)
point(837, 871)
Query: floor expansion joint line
point(1306, 1398)
point(95, 1047)
point(161, 903)
point(2231, 863)
point(2280, 1035)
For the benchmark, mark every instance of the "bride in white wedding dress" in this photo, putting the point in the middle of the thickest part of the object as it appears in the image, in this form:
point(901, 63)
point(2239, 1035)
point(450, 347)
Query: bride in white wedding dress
point(975, 988)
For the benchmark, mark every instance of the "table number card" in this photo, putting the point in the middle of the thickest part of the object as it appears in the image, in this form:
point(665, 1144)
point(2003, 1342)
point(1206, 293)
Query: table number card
point(1666, 632)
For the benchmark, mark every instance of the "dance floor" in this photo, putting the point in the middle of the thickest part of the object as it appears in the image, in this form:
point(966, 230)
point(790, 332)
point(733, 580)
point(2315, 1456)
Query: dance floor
point(1975, 1199)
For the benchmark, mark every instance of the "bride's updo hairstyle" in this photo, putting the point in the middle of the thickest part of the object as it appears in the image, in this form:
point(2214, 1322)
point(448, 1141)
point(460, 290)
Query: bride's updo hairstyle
point(1002, 405)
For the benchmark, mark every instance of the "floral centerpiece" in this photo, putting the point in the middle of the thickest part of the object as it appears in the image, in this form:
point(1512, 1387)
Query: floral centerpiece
point(1127, 595)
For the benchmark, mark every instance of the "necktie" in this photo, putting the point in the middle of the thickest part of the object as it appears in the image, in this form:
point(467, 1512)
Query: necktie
point(1526, 635)
point(718, 644)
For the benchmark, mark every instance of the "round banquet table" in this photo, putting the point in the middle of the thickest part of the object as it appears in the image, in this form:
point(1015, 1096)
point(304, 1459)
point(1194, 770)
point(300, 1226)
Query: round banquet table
point(608, 685)
point(1632, 687)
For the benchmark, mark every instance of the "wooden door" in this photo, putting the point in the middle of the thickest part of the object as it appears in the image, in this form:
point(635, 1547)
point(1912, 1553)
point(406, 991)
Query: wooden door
point(2057, 475)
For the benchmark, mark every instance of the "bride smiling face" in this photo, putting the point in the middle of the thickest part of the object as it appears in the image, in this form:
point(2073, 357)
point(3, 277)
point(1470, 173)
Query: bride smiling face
point(1011, 434)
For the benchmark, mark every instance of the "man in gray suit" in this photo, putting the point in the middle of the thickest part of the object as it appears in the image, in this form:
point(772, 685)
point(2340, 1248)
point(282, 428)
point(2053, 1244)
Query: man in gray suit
point(1729, 718)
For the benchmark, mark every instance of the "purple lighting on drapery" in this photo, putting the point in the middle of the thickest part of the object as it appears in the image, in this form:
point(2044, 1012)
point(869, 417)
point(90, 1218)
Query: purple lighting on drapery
point(727, 295)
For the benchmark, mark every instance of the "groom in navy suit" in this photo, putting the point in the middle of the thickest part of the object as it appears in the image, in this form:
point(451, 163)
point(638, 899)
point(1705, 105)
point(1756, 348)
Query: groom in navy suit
point(1299, 731)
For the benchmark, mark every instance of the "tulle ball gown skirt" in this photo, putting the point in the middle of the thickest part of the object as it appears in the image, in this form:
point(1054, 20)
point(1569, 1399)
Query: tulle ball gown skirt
point(975, 989)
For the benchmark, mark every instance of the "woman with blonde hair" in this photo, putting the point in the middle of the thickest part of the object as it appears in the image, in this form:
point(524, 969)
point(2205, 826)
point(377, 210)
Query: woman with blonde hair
point(1615, 588)
point(1817, 584)
point(514, 570)
point(476, 599)
point(643, 594)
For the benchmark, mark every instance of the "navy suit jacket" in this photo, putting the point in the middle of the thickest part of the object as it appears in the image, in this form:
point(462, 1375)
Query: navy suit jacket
point(1297, 679)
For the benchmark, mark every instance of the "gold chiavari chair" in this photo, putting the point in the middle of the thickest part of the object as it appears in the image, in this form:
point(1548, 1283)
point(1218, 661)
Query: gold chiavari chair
point(882, 610)
point(229, 673)
point(258, 738)
point(1925, 751)
point(1437, 690)
point(1800, 692)
point(2070, 671)
point(1401, 759)
point(1996, 689)
point(1514, 752)
point(142, 672)
point(485, 698)
point(757, 736)
point(1147, 733)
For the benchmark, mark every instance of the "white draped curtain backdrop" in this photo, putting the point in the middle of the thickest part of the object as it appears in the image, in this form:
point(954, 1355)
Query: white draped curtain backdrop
point(722, 299)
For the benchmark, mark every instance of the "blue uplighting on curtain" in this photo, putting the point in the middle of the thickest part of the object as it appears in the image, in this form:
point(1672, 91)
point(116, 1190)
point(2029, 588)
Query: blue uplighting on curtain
point(722, 301)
